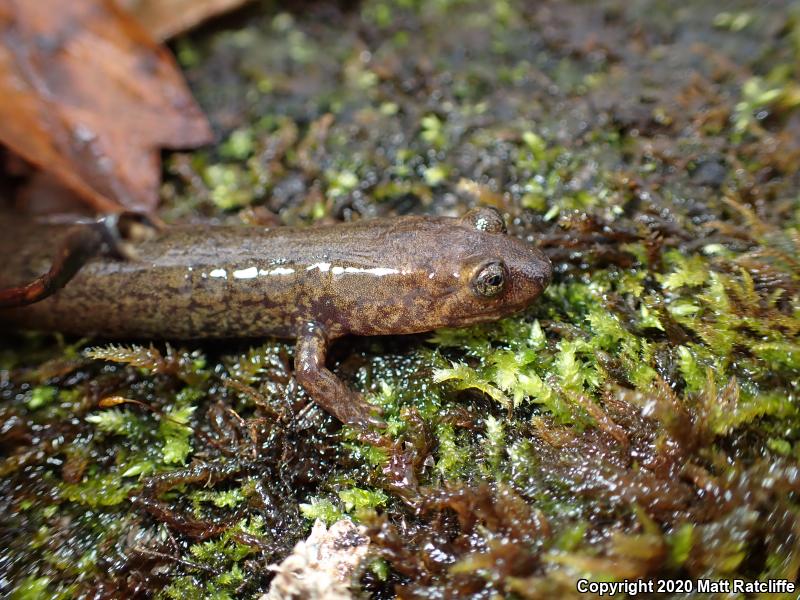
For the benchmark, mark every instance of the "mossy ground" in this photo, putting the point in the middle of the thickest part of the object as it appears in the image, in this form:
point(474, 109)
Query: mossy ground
point(641, 420)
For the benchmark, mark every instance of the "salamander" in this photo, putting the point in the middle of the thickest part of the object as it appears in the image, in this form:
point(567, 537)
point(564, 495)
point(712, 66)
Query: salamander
point(316, 284)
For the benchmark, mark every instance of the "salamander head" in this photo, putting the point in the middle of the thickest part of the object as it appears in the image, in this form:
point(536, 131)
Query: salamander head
point(416, 274)
point(482, 273)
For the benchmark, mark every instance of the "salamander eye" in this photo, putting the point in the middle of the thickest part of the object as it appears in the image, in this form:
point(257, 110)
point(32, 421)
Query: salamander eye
point(490, 280)
point(486, 219)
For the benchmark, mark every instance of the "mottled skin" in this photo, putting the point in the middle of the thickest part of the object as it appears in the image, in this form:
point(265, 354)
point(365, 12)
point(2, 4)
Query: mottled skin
point(376, 277)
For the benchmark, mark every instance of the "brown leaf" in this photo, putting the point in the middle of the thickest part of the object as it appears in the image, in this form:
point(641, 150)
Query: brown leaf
point(88, 96)
point(167, 18)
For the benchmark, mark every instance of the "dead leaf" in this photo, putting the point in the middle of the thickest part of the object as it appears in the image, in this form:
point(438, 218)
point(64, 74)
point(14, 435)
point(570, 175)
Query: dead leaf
point(167, 18)
point(87, 95)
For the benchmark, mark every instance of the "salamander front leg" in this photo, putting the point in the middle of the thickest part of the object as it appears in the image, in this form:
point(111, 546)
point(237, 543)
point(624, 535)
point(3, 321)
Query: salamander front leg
point(323, 386)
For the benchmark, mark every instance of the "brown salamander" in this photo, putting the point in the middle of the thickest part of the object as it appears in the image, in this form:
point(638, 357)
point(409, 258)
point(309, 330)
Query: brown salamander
point(372, 277)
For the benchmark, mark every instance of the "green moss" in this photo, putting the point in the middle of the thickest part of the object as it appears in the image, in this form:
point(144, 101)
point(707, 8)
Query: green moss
point(321, 508)
point(729, 408)
point(432, 131)
point(221, 556)
point(223, 498)
point(694, 375)
point(779, 446)
point(356, 499)
point(463, 377)
point(239, 145)
point(41, 397)
point(34, 588)
point(341, 183)
point(435, 175)
point(114, 421)
point(97, 490)
point(174, 431)
point(494, 447)
point(758, 94)
point(454, 454)
point(226, 549)
point(686, 271)
point(733, 21)
point(680, 544)
point(230, 186)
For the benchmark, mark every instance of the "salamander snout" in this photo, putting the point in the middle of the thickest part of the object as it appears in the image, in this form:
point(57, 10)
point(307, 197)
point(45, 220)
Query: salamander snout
point(541, 270)
point(534, 272)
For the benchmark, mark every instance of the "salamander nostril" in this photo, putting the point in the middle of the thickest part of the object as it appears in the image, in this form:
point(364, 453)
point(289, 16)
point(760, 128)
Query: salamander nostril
point(543, 277)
